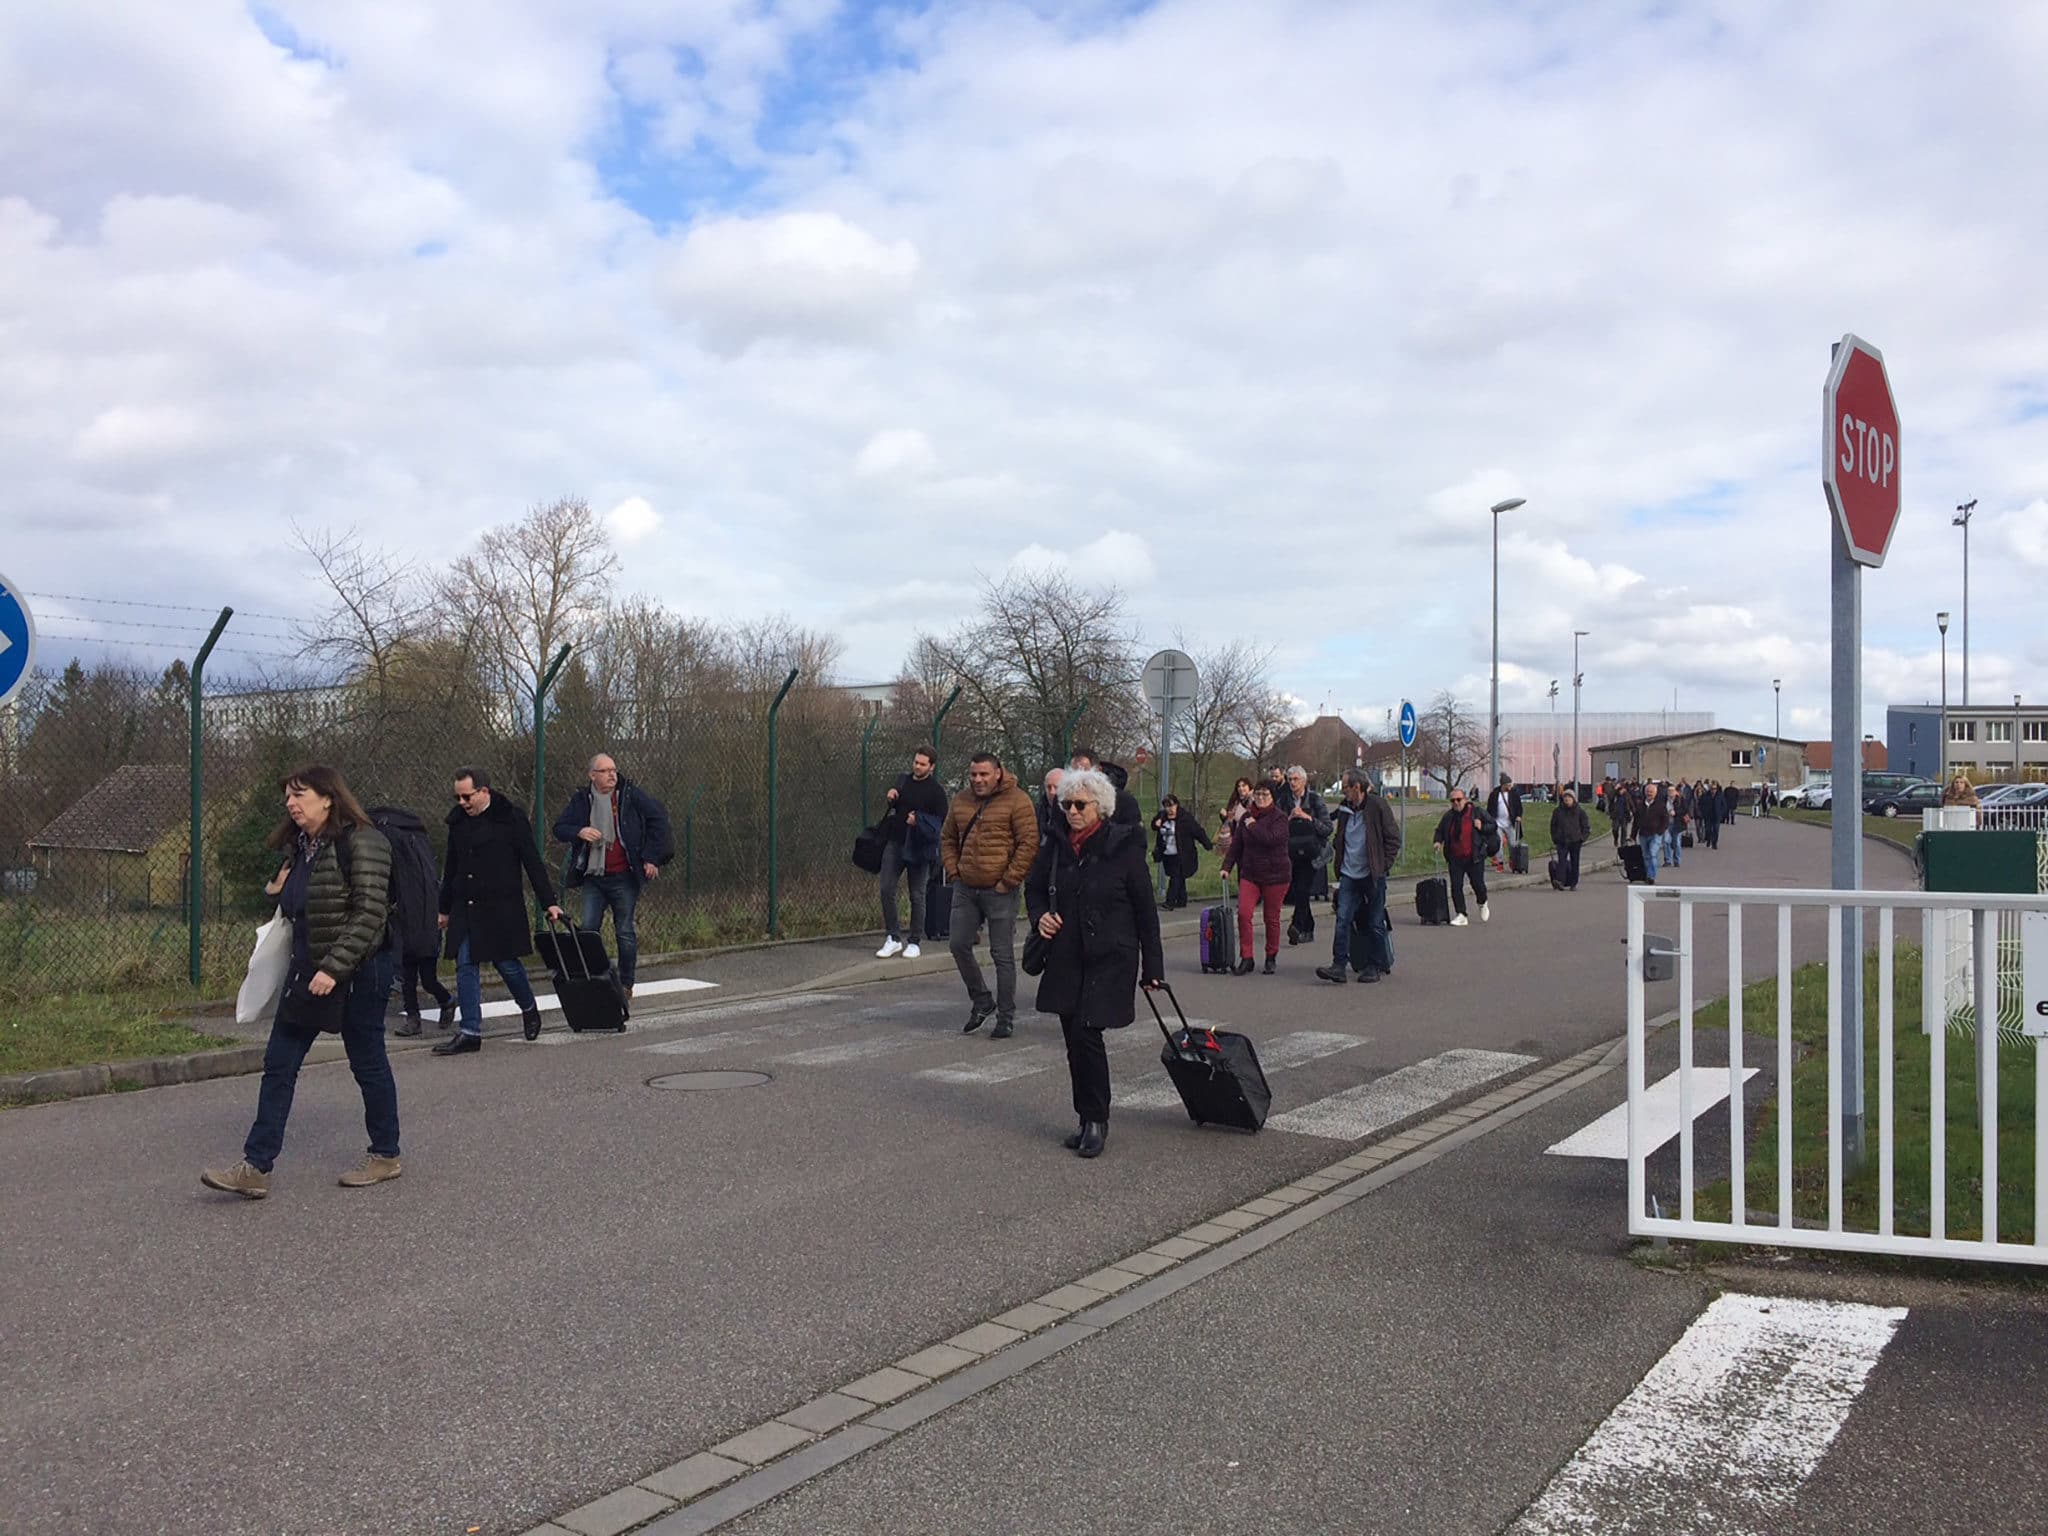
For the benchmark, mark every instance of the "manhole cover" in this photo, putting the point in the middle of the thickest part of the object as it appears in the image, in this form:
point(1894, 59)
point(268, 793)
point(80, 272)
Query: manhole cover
point(695, 1081)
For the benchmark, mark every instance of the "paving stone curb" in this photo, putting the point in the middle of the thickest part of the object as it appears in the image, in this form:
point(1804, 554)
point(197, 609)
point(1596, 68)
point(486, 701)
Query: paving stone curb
point(747, 1470)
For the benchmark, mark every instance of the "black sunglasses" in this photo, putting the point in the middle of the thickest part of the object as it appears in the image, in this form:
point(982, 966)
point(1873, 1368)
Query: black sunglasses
point(462, 799)
point(1075, 805)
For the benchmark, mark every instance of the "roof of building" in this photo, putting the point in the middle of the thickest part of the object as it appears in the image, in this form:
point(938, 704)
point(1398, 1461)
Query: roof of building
point(126, 812)
point(1322, 739)
point(1678, 736)
point(1820, 756)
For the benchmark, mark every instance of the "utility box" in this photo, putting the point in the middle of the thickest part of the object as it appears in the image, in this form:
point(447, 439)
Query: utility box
point(1996, 863)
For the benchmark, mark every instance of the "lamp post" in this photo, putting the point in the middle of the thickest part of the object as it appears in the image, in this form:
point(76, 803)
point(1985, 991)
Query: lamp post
point(1578, 681)
point(1962, 520)
point(1777, 726)
point(2019, 775)
point(1941, 623)
point(1493, 713)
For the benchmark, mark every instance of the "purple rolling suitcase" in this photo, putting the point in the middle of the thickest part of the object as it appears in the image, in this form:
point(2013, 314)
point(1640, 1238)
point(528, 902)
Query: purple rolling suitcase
point(1216, 926)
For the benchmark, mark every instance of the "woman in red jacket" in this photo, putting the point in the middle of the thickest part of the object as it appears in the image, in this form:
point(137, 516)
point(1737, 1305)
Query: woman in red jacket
point(1258, 851)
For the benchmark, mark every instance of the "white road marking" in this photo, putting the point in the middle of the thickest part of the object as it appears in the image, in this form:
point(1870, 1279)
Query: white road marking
point(1726, 1428)
point(1155, 1090)
point(693, 1045)
point(547, 1001)
point(1358, 1112)
point(1608, 1136)
point(1000, 1067)
point(853, 1050)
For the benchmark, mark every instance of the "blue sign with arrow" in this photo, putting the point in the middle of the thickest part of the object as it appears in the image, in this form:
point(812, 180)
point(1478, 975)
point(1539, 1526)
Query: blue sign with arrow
point(17, 640)
point(1407, 724)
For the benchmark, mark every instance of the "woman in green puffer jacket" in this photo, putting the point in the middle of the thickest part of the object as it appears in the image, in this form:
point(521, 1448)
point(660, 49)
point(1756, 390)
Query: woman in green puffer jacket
point(334, 889)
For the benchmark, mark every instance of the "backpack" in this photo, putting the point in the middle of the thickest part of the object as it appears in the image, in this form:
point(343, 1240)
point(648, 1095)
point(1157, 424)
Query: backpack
point(414, 920)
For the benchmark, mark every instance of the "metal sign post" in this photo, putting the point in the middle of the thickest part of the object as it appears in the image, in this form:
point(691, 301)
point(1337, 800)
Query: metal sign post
point(1408, 726)
point(1169, 682)
point(1860, 470)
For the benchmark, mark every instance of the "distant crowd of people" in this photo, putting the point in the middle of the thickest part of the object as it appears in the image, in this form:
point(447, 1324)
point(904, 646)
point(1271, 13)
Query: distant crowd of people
point(1664, 820)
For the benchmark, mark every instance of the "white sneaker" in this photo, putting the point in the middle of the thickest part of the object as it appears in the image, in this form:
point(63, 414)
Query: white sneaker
point(1485, 914)
point(893, 947)
point(1460, 922)
point(911, 951)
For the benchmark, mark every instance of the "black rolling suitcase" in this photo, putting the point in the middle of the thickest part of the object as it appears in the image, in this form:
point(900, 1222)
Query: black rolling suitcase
point(1634, 865)
point(1433, 901)
point(592, 998)
point(1518, 858)
point(1216, 1070)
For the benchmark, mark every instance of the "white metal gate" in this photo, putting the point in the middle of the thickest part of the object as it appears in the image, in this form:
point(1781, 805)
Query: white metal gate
point(1924, 915)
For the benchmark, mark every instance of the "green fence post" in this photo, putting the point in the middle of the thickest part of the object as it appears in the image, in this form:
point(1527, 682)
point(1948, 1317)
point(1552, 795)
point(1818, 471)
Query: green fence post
point(939, 720)
point(540, 759)
point(690, 842)
point(195, 865)
point(774, 913)
point(865, 737)
point(1067, 732)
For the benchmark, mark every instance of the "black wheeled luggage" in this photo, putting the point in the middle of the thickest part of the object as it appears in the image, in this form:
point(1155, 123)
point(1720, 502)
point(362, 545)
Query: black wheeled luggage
point(1216, 1070)
point(1634, 865)
point(1518, 859)
point(1433, 901)
point(585, 984)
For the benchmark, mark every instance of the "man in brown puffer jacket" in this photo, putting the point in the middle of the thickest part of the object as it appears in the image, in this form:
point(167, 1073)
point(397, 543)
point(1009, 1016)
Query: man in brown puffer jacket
point(987, 845)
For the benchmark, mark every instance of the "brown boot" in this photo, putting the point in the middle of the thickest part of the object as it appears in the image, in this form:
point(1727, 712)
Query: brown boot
point(371, 1170)
point(244, 1179)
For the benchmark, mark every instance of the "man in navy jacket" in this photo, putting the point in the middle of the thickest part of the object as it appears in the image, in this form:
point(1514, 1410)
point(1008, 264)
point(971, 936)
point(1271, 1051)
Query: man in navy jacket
point(624, 840)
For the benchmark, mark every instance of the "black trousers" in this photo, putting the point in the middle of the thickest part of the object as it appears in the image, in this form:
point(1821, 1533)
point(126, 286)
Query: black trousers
point(1568, 865)
point(414, 974)
point(1303, 895)
point(1176, 888)
point(1088, 1066)
point(1461, 870)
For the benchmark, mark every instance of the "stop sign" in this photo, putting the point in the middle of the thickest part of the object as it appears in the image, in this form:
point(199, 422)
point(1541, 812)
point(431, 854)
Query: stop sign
point(1144, 757)
point(1860, 450)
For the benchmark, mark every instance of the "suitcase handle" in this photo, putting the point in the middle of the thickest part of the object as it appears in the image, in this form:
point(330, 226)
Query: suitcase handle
point(575, 934)
point(1186, 1028)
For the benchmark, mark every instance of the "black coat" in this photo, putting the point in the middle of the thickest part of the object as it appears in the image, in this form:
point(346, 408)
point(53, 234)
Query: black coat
point(1128, 812)
point(1109, 934)
point(480, 889)
point(1188, 832)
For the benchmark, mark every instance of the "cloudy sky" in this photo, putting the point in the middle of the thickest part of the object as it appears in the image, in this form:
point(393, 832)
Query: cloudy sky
point(1252, 308)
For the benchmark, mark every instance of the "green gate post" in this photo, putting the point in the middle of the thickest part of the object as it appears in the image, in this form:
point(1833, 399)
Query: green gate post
point(1067, 732)
point(774, 842)
point(540, 759)
point(939, 720)
point(865, 737)
point(195, 867)
point(690, 841)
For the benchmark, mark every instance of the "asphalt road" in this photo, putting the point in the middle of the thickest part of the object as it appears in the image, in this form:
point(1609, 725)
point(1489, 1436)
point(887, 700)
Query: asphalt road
point(582, 1278)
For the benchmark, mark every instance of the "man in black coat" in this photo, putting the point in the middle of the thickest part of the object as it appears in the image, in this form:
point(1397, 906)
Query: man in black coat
point(1367, 838)
point(483, 910)
point(1175, 834)
point(1308, 845)
point(620, 839)
point(1128, 812)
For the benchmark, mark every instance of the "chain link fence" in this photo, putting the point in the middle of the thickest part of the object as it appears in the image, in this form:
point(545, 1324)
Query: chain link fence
point(96, 775)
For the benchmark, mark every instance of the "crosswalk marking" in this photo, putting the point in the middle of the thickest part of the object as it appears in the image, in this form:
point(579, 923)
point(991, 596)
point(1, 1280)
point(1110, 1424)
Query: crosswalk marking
point(1002, 1067)
point(547, 1002)
point(1726, 1428)
point(1358, 1112)
point(862, 1049)
point(697, 1045)
point(1155, 1090)
point(1608, 1136)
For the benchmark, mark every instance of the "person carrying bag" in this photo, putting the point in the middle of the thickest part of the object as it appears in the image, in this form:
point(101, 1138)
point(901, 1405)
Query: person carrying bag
point(334, 893)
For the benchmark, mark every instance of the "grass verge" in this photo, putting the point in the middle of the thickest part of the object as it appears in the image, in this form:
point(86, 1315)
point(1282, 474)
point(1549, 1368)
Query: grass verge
point(78, 1029)
point(1913, 1127)
point(1893, 829)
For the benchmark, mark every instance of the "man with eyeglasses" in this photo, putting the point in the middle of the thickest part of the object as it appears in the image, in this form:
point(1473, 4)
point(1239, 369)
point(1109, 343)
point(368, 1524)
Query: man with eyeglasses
point(1459, 840)
point(483, 910)
point(620, 839)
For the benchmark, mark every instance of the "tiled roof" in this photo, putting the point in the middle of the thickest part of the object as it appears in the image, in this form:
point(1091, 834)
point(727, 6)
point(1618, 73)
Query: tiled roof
point(126, 812)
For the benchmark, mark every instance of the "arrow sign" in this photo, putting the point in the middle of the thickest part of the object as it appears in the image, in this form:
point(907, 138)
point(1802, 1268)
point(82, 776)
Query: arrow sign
point(17, 640)
point(1407, 724)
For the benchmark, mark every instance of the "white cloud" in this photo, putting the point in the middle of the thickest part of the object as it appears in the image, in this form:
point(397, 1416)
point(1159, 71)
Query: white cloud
point(1116, 558)
point(632, 520)
point(806, 277)
point(897, 451)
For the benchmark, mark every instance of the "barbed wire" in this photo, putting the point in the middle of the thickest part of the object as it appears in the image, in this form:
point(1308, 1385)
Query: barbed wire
point(162, 645)
point(178, 629)
point(123, 602)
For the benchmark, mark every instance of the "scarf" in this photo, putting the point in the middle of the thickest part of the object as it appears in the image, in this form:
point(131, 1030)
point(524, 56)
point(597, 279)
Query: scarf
point(606, 823)
point(1077, 839)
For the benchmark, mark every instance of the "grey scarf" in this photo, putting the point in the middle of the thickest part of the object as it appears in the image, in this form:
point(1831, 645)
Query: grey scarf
point(606, 823)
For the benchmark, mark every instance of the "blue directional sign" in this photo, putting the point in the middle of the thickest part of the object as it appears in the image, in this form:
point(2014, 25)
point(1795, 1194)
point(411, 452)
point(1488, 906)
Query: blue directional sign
point(1407, 724)
point(17, 640)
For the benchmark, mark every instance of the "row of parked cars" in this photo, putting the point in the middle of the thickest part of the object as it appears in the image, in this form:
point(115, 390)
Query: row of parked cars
point(1902, 794)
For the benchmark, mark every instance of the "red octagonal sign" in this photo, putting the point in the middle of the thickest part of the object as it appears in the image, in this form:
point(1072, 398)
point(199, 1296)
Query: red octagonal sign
point(1860, 450)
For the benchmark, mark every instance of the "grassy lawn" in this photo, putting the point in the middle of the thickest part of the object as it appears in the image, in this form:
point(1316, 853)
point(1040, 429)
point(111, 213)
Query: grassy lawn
point(74, 1029)
point(1902, 830)
point(1913, 1131)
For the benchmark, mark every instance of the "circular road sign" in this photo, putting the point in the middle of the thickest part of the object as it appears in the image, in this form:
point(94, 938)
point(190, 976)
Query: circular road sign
point(1170, 681)
point(1860, 450)
point(1407, 724)
point(17, 640)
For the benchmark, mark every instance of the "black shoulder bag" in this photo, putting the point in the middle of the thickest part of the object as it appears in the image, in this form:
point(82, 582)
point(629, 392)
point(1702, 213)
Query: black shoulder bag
point(1037, 947)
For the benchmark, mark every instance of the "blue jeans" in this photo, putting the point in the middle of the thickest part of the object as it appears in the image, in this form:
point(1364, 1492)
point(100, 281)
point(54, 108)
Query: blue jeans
point(1362, 900)
point(621, 893)
point(1651, 847)
point(362, 1036)
point(1671, 846)
point(469, 988)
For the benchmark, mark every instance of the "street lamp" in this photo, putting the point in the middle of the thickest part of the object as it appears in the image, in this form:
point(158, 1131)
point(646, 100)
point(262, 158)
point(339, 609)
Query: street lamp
point(1493, 713)
point(1578, 680)
point(1777, 727)
point(2019, 775)
point(1962, 520)
point(1941, 623)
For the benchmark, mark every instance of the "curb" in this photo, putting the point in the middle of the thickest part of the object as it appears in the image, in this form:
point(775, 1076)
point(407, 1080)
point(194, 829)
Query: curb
point(60, 1083)
point(1868, 836)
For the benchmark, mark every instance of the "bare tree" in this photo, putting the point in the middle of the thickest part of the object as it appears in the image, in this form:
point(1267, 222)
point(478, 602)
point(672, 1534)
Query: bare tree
point(1267, 719)
point(1231, 680)
point(1450, 742)
point(531, 587)
point(381, 606)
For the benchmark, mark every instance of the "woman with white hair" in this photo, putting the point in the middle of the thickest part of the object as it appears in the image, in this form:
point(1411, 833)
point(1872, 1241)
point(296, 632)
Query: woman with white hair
point(1089, 897)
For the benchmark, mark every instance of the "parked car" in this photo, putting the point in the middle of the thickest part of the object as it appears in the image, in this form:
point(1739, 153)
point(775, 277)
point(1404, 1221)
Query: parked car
point(1802, 795)
point(2020, 797)
point(1914, 797)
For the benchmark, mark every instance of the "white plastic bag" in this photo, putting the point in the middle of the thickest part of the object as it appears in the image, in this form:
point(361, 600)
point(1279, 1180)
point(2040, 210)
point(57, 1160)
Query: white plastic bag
point(269, 964)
